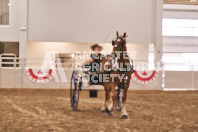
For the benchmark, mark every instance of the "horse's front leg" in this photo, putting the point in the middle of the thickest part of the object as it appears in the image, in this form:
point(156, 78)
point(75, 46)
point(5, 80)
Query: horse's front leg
point(107, 98)
point(110, 106)
point(124, 113)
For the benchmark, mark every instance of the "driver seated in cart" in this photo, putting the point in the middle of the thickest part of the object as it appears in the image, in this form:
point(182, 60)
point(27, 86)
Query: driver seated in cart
point(95, 57)
point(94, 61)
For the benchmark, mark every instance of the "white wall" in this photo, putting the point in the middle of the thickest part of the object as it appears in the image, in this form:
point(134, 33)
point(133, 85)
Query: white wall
point(38, 49)
point(181, 79)
point(180, 11)
point(175, 43)
point(174, 48)
point(180, 44)
point(11, 33)
point(17, 78)
point(89, 21)
point(50, 22)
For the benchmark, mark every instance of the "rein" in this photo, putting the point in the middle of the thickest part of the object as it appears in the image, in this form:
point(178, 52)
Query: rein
point(115, 65)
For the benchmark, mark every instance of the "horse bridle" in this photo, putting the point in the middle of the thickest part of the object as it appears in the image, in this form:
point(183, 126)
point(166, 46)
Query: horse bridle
point(119, 46)
point(114, 60)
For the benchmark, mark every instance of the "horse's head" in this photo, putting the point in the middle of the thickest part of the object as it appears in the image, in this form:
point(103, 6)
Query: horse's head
point(119, 44)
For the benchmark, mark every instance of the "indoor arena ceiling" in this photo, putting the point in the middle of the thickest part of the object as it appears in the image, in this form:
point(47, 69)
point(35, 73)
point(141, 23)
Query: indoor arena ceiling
point(186, 2)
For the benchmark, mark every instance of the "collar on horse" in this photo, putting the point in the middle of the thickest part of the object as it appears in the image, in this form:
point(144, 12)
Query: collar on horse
point(116, 66)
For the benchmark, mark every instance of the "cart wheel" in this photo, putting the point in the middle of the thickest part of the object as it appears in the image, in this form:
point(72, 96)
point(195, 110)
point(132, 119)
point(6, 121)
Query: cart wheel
point(118, 104)
point(75, 87)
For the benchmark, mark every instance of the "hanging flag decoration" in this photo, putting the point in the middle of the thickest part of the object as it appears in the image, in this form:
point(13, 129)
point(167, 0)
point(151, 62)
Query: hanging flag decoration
point(39, 75)
point(145, 77)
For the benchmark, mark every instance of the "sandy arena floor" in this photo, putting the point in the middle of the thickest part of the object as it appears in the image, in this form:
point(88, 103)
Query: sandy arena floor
point(49, 110)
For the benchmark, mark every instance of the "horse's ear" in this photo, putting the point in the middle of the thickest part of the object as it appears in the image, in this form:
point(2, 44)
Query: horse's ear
point(117, 34)
point(124, 35)
point(112, 42)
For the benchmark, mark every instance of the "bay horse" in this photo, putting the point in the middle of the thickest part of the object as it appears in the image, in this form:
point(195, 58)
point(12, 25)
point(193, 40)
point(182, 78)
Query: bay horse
point(120, 74)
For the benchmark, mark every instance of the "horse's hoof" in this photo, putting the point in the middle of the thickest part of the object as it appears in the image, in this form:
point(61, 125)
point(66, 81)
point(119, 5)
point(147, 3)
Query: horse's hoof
point(103, 111)
point(109, 114)
point(119, 109)
point(125, 117)
point(107, 110)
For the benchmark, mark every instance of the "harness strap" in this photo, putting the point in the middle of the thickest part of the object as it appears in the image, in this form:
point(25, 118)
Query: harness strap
point(116, 65)
point(114, 62)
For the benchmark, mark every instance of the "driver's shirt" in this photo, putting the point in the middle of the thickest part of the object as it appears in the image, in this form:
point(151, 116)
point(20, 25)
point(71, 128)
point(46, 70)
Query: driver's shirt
point(96, 60)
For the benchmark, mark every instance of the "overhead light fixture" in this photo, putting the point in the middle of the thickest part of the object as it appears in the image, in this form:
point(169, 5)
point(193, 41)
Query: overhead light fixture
point(72, 55)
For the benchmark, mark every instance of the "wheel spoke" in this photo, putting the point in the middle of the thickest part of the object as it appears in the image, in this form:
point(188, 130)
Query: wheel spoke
point(74, 91)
